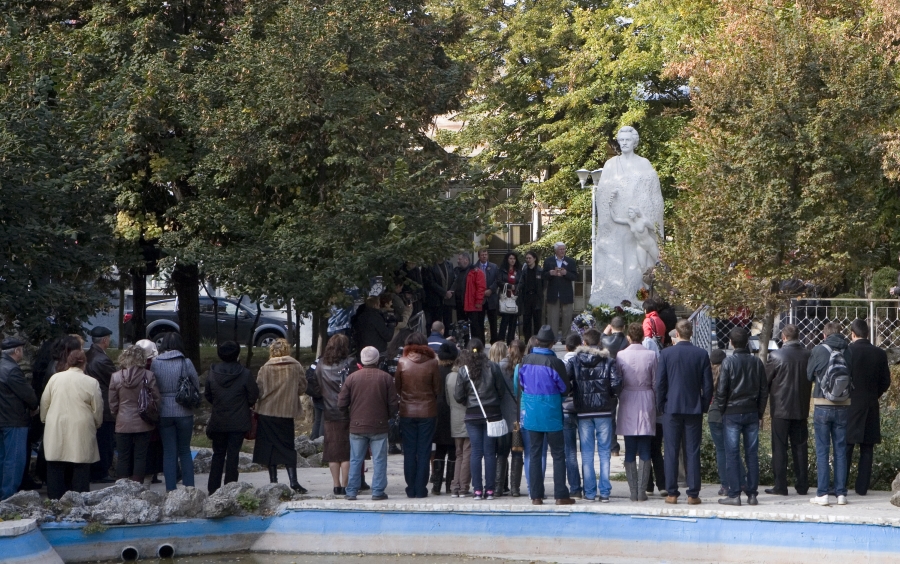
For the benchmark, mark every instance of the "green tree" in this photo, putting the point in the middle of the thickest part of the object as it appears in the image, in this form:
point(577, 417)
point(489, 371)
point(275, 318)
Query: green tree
point(325, 176)
point(779, 167)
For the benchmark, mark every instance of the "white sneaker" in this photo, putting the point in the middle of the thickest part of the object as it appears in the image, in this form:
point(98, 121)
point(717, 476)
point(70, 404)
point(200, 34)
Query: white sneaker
point(820, 500)
point(842, 500)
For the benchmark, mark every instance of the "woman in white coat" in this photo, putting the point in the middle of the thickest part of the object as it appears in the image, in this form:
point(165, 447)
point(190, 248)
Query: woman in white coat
point(72, 411)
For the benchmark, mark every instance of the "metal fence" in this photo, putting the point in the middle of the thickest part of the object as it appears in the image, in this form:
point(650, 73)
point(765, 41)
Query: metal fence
point(810, 317)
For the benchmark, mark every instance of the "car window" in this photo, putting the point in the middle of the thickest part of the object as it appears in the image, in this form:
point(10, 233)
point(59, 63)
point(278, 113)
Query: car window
point(167, 305)
point(228, 308)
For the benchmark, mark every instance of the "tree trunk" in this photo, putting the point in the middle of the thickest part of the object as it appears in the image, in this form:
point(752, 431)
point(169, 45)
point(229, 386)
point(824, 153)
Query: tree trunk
point(186, 280)
point(297, 316)
point(139, 304)
point(252, 332)
point(215, 301)
point(320, 332)
point(768, 326)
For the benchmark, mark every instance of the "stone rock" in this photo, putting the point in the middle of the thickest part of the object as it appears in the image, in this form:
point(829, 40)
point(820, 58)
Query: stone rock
point(77, 514)
point(320, 444)
point(302, 462)
point(24, 499)
point(122, 488)
point(71, 499)
point(304, 446)
point(315, 461)
point(272, 495)
point(153, 498)
point(224, 502)
point(203, 460)
point(184, 502)
point(246, 464)
point(895, 485)
point(119, 510)
point(9, 512)
point(895, 499)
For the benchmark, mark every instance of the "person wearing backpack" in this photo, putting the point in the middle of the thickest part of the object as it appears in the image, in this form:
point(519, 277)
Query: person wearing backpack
point(829, 367)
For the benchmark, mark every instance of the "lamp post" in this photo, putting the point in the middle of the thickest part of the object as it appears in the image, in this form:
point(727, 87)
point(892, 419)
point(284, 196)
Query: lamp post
point(594, 175)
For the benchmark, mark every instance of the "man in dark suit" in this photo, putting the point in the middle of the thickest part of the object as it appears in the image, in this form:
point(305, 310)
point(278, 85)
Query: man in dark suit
point(439, 300)
point(491, 293)
point(871, 379)
point(560, 272)
point(789, 391)
point(684, 390)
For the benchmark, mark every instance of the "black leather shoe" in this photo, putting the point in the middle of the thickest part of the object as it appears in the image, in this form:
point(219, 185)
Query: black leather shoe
point(751, 500)
point(730, 501)
point(773, 491)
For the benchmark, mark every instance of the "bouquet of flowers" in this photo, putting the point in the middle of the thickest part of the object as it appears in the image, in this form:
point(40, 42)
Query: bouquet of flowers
point(583, 321)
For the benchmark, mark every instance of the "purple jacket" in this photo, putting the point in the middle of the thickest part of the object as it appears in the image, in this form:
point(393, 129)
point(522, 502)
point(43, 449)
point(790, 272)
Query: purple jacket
point(637, 401)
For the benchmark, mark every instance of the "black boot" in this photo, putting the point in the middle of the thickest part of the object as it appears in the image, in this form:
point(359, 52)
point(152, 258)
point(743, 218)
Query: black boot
point(515, 476)
point(292, 477)
point(451, 472)
point(437, 476)
point(502, 474)
point(273, 474)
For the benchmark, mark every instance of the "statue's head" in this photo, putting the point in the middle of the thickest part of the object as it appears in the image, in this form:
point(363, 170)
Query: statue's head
point(633, 212)
point(628, 139)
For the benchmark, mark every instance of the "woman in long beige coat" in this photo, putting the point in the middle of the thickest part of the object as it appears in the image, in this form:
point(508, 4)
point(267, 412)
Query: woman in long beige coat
point(281, 382)
point(72, 411)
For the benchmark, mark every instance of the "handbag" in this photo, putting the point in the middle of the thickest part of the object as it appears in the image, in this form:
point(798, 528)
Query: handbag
point(254, 426)
point(148, 408)
point(508, 303)
point(187, 395)
point(494, 428)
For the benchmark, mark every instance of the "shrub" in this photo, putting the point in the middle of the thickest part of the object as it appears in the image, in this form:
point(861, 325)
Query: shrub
point(248, 502)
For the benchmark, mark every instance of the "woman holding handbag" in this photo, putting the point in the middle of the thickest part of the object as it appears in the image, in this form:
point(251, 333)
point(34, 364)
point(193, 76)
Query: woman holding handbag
point(480, 388)
point(331, 372)
point(231, 390)
point(133, 426)
point(509, 308)
point(176, 421)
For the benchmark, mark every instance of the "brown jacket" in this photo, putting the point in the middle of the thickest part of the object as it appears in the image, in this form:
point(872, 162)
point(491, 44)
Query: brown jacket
point(124, 390)
point(282, 382)
point(418, 381)
point(372, 400)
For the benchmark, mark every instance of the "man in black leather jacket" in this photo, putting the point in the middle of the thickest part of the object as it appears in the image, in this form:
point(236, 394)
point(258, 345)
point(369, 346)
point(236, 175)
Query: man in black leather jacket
point(789, 391)
point(17, 401)
point(613, 341)
point(741, 396)
point(101, 368)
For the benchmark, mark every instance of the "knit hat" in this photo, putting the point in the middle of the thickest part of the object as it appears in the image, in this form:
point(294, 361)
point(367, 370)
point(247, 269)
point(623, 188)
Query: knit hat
point(369, 356)
point(447, 351)
point(229, 351)
point(717, 356)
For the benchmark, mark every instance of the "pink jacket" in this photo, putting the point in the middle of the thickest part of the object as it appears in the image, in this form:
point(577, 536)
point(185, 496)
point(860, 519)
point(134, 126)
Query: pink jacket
point(637, 402)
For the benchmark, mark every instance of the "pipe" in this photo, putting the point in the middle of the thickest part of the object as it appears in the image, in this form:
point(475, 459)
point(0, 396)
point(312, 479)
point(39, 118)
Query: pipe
point(165, 551)
point(130, 554)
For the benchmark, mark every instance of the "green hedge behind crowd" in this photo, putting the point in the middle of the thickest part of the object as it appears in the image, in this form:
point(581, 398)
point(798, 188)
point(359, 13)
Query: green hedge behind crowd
point(887, 453)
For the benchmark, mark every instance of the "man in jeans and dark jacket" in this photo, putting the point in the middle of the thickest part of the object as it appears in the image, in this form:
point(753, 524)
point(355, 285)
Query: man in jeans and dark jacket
point(370, 396)
point(596, 383)
point(829, 417)
point(17, 401)
point(741, 397)
point(789, 392)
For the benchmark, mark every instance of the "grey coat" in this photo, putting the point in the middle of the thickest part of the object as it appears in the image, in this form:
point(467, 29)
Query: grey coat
point(637, 401)
point(457, 410)
point(168, 368)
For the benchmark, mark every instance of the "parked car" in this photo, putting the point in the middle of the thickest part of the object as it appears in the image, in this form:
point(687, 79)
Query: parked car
point(162, 318)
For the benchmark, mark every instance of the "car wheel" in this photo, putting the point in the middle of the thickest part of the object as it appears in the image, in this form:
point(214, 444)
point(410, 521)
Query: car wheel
point(266, 339)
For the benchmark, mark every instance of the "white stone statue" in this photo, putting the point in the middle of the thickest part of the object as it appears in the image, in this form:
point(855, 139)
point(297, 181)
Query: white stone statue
point(627, 224)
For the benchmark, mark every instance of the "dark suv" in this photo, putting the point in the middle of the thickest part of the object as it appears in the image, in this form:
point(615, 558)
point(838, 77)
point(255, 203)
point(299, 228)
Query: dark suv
point(162, 318)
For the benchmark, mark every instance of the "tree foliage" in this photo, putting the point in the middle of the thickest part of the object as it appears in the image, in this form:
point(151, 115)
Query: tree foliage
point(780, 172)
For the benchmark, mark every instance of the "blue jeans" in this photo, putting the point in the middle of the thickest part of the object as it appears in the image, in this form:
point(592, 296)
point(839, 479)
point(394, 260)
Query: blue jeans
point(599, 429)
point(358, 446)
point(636, 446)
point(570, 430)
point(417, 433)
point(739, 425)
point(717, 430)
point(526, 444)
point(13, 445)
point(175, 434)
point(483, 448)
point(830, 426)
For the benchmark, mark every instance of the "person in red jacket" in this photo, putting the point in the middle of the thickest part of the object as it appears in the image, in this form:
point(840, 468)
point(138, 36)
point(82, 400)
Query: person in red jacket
point(473, 299)
point(654, 327)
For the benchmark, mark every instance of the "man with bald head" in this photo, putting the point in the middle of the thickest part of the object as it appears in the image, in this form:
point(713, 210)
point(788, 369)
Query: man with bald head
point(560, 273)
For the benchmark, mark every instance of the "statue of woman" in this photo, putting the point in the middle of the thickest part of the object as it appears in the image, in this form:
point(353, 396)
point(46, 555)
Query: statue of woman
point(625, 248)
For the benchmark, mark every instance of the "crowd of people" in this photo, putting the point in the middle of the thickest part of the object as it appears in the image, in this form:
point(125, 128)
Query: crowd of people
point(473, 417)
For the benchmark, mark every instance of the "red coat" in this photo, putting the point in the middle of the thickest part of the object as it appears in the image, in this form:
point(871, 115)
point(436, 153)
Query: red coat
point(651, 322)
point(475, 287)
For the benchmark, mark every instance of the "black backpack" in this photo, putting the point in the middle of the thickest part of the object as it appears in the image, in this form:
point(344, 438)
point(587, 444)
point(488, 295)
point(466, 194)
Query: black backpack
point(312, 381)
